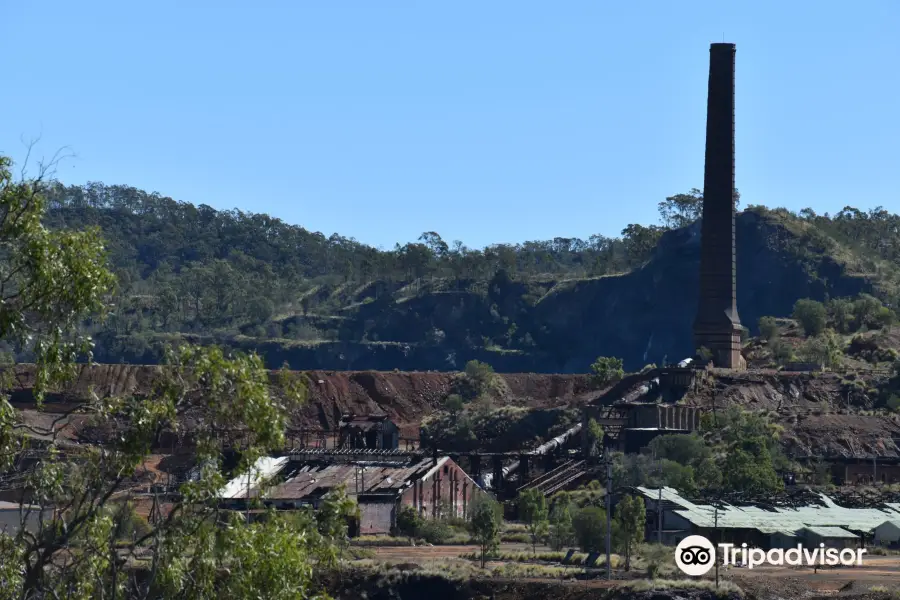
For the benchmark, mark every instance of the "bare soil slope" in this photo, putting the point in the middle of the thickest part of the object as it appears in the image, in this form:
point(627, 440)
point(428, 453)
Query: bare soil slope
point(406, 397)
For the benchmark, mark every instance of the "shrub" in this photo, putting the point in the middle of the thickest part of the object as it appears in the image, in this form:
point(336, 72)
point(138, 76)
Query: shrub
point(893, 402)
point(768, 328)
point(811, 315)
point(590, 529)
point(408, 521)
point(606, 370)
point(453, 403)
point(434, 531)
point(127, 523)
point(825, 348)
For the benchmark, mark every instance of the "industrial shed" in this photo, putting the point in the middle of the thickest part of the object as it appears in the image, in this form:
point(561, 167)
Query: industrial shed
point(372, 432)
point(435, 487)
point(832, 537)
point(764, 526)
point(888, 533)
point(12, 513)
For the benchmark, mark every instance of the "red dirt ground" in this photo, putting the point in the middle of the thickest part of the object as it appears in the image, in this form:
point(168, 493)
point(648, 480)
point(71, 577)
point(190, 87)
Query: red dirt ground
point(406, 397)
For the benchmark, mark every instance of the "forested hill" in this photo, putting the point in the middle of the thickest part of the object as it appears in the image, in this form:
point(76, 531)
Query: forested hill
point(255, 282)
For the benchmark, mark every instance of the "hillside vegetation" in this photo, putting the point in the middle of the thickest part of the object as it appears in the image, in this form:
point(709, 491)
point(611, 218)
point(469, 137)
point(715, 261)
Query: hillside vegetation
point(254, 282)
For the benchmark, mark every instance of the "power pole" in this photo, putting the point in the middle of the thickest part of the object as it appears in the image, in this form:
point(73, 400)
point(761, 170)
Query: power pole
point(247, 501)
point(659, 504)
point(608, 518)
point(716, 529)
point(659, 517)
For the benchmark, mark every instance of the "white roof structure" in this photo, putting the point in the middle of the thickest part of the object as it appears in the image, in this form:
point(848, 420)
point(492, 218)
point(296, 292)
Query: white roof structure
point(772, 520)
point(831, 532)
point(264, 468)
point(892, 524)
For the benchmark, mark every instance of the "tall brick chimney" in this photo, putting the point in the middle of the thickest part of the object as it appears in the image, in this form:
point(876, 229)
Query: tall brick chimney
point(717, 326)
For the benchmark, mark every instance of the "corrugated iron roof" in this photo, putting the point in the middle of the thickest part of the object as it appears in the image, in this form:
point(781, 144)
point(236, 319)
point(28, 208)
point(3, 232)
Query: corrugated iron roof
point(831, 532)
point(894, 522)
point(4, 505)
point(313, 479)
point(774, 519)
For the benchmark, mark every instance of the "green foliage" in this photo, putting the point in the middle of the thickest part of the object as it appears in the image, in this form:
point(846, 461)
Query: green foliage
point(681, 210)
point(640, 241)
point(631, 516)
point(562, 531)
point(434, 531)
point(590, 529)
point(893, 402)
point(811, 315)
point(782, 352)
point(825, 349)
point(678, 476)
point(683, 449)
point(496, 430)
point(229, 391)
point(52, 280)
point(533, 512)
point(478, 380)
point(606, 370)
point(704, 354)
point(127, 525)
point(842, 314)
point(408, 521)
point(821, 473)
point(267, 559)
point(738, 450)
point(58, 279)
point(595, 435)
point(454, 404)
point(333, 515)
point(655, 556)
point(768, 328)
point(750, 472)
point(751, 446)
point(486, 524)
point(707, 474)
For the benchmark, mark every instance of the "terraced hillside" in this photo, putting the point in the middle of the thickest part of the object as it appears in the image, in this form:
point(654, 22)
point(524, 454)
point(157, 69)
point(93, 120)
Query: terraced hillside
point(316, 302)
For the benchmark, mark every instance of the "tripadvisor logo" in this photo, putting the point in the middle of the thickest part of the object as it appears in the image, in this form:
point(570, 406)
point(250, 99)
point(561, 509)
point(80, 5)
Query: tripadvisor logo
point(695, 555)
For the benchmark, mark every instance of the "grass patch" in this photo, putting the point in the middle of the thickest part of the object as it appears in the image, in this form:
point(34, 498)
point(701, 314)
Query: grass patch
point(577, 559)
point(518, 570)
point(360, 553)
point(725, 589)
point(515, 538)
point(382, 540)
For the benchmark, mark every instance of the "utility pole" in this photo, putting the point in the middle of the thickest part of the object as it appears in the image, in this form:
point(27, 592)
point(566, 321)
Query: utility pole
point(247, 501)
point(659, 517)
point(659, 503)
point(608, 513)
point(874, 469)
point(716, 529)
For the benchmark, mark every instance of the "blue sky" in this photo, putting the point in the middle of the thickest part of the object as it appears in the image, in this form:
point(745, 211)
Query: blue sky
point(487, 122)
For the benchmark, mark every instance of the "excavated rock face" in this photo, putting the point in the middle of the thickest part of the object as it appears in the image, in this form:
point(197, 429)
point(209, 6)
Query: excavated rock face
point(647, 315)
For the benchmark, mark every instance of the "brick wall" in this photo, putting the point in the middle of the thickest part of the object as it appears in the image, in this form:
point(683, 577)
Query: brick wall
point(445, 488)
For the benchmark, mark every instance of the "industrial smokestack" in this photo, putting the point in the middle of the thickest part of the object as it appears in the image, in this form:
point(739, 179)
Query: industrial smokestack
point(717, 326)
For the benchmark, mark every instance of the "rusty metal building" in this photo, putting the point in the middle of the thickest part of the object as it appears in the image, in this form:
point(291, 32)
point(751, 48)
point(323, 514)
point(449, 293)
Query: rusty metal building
point(434, 487)
point(372, 432)
point(630, 426)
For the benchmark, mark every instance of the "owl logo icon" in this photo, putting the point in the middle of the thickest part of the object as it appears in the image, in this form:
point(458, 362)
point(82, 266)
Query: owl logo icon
point(695, 555)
